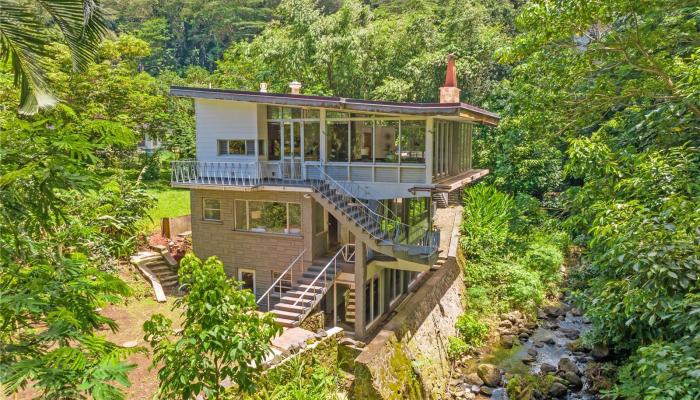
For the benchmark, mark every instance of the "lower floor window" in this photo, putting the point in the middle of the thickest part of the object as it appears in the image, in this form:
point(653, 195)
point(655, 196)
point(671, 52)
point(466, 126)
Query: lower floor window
point(398, 282)
point(372, 303)
point(247, 277)
point(268, 216)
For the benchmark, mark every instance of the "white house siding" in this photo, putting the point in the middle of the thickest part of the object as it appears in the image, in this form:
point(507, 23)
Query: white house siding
point(220, 119)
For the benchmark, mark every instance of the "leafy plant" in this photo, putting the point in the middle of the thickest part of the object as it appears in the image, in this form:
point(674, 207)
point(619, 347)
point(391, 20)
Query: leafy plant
point(298, 379)
point(456, 348)
point(486, 221)
point(472, 330)
point(222, 335)
point(47, 327)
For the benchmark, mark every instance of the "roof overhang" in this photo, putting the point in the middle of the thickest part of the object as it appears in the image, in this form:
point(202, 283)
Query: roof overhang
point(461, 111)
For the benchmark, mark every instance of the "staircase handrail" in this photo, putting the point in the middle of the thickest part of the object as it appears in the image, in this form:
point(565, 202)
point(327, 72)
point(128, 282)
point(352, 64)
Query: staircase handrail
point(279, 279)
point(342, 252)
point(399, 227)
point(245, 173)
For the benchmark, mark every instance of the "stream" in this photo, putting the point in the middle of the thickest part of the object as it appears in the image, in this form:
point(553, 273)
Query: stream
point(548, 352)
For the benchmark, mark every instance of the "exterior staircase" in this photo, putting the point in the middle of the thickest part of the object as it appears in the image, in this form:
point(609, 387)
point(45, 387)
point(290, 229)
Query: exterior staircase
point(377, 227)
point(350, 307)
point(441, 199)
point(308, 290)
point(166, 275)
point(159, 270)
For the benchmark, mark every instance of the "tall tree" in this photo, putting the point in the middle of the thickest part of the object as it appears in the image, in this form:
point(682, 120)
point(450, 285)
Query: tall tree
point(24, 40)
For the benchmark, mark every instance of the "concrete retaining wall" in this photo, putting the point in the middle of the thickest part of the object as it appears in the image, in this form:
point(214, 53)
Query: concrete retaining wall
point(408, 358)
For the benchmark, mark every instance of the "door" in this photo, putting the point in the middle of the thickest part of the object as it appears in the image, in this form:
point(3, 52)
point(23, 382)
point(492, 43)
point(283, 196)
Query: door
point(332, 231)
point(247, 276)
point(292, 150)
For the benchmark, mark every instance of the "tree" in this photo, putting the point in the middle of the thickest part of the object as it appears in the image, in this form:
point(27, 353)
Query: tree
point(50, 292)
point(222, 336)
point(24, 41)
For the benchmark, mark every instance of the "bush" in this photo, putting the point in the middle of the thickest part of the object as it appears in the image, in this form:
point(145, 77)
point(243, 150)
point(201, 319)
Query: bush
point(456, 348)
point(508, 284)
point(486, 220)
point(471, 330)
point(545, 259)
point(662, 371)
point(478, 300)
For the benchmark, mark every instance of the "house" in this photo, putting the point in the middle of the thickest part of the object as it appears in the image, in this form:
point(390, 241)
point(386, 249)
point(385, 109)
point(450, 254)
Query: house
point(325, 203)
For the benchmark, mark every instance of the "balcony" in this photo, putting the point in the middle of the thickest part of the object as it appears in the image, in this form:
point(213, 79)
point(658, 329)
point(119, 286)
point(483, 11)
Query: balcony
point(250, 174)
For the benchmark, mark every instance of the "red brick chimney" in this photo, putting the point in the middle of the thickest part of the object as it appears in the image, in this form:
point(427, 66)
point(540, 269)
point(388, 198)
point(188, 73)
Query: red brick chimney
point(449, 92)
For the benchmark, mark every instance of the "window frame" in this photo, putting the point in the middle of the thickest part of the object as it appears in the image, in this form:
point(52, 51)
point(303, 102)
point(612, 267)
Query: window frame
point(287, 229)
point(249, 147)
point(205, 209)
point(255, 282)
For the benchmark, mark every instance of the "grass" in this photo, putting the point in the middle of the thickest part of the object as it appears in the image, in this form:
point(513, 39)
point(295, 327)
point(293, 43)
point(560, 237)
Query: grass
point(171, 202)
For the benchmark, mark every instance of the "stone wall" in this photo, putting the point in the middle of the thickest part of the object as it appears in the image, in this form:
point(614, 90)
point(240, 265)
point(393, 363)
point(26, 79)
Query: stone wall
point(408, 357)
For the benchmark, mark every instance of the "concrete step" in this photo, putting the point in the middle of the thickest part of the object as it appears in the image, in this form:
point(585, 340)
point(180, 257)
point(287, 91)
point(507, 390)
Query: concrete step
point(287, 323)
point(307, 300)
point(290, 315)
point(298, 309)
point(295, 293)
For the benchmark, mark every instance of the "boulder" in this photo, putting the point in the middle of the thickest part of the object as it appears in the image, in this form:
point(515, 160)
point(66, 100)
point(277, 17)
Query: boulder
point(527, 359)
point(547, 368)
point(507, 341)
point(541, 314)
point(533, 352)
point(489, 374)
point(547, 338)
point(557, 390)
point(566, 365)
point(553, 311)
point(468, 395)
point(473, 379)
point(505, 324)
point(600, 352)
point(576, 312)
point(486, 391)
point(573, 380)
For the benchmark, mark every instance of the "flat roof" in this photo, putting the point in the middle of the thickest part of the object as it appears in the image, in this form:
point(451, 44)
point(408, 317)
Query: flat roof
point(461, 111)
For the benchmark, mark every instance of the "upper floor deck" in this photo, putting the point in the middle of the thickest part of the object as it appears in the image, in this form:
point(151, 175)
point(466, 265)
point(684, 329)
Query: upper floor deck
point(249, 139)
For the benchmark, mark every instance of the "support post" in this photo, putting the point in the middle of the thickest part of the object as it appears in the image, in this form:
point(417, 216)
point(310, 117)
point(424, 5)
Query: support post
point(429, 152)
point(360, 263)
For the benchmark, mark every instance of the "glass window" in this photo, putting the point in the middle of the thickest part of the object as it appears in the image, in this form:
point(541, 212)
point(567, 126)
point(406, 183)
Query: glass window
point(335, 114)
point(312, 141)
point(236, 147)
point(274, 112)
point(311, 113)
point(268, 216)
point(386, 141)
point(283, 285)
point(273, 140)
point(361, 141)
point(222, 146)
point(417, 210)
point(241, 213)
point(212, 210)
point(337, 138)
point(375, 297)
point(412, 141)
point(261, 147)
point(297, 140)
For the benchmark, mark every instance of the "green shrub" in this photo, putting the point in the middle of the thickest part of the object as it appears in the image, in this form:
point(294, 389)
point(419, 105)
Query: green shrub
point(485, 222)
point(472, 330)
point(545, 259)
point(661, 371)
point(456, 348)
point(478, 300)
point(508, 284)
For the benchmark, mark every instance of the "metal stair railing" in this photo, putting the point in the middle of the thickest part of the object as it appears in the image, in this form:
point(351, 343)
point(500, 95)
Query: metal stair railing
point(347, 252)
point(289, 270)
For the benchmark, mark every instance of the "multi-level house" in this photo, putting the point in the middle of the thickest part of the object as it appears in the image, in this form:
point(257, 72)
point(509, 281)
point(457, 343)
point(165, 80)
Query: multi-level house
point(325, 203)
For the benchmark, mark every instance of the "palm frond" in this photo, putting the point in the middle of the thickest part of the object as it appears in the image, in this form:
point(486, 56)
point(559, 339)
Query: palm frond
point(23, 43)
point(83, 25)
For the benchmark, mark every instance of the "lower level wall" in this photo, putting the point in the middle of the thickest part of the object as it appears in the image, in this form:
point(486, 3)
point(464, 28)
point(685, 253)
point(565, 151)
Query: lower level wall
point(408, 358)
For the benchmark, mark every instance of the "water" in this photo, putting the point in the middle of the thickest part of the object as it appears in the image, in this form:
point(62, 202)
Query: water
point(510, 360)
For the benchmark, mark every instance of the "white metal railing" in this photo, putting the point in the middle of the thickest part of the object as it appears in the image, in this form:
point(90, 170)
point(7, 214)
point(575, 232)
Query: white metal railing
point(278, 283)
point(319, 286)
point(246, 173)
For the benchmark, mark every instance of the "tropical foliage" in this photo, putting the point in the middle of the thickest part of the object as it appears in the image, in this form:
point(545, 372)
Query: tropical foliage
point(222, 335)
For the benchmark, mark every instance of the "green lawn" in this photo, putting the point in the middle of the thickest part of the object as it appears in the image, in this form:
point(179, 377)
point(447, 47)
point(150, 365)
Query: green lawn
point(170, 203)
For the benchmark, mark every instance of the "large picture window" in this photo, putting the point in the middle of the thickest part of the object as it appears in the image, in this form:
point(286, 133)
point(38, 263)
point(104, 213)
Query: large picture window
point(387, 141)
point(337, 141)
point(372, 304)
point(412, 141)
point(361, 141)
point(312, 141)
point(268, 216)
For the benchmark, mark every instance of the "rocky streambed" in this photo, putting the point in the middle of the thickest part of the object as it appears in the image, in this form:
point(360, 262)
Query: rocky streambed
point(542, 359)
